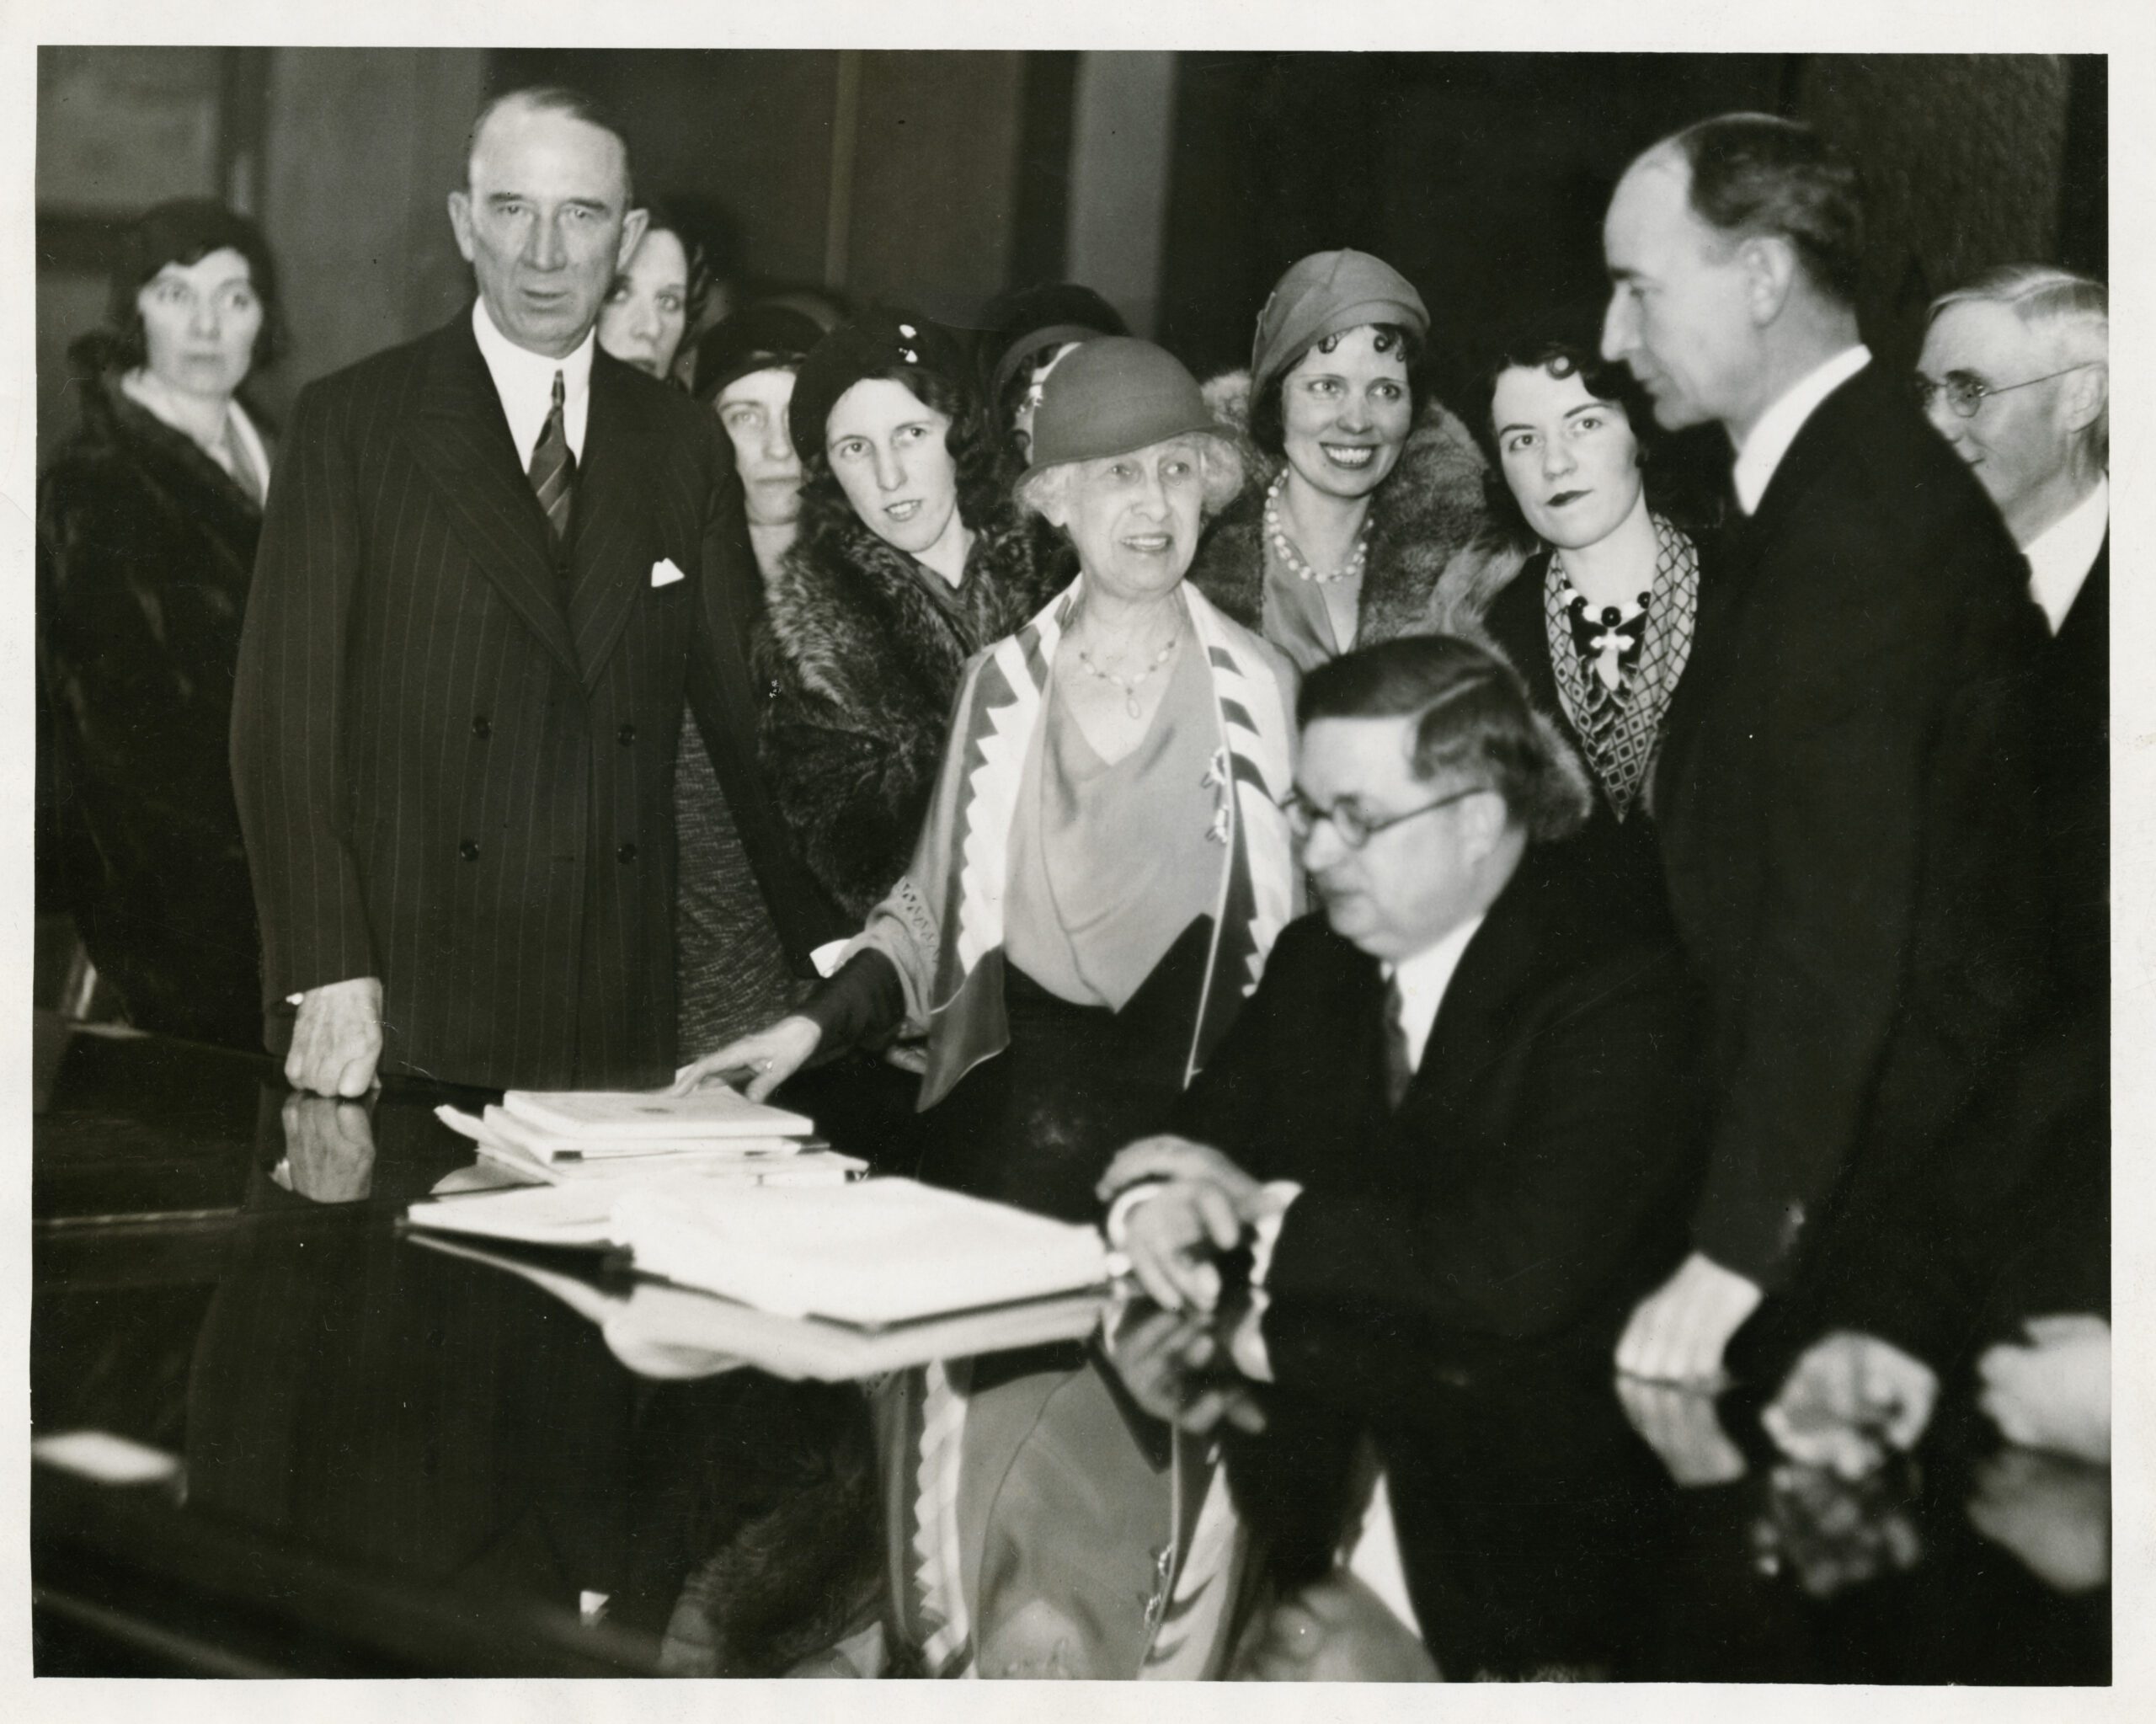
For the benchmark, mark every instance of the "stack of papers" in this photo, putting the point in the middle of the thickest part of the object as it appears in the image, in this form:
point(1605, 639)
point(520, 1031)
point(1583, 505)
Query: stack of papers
point(871, 1254)
point(717, 1133)
point(658, 1330)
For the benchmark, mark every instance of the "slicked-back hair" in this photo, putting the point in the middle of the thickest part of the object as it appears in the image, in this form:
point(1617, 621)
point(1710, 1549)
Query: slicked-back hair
point(556, 99)
point(976, 451)
point(2074, 309)
point(1755, 173)
point(1473, 720)
point(1268, 418)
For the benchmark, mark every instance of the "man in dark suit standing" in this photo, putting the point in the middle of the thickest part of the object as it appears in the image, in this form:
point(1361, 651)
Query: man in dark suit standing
point(1844, 795)
point(491, 559)
point(2014, 375)
point(1456, 1126)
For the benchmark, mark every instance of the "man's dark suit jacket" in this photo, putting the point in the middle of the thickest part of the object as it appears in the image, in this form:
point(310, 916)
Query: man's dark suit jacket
point(1844, 802)
point(455, 762)
point(2011, 1218)
point(1533, 1182)
point(1493, 1232)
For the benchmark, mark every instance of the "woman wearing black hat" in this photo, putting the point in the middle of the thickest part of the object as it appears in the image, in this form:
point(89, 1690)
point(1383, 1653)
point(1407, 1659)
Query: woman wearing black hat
point(1030, 329)
point(910, 559)
point(1364, 486)
point(148, 519)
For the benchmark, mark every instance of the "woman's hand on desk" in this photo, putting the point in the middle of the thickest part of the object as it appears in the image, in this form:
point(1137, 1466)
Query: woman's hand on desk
point(761, 1063)
point(1171, 1238)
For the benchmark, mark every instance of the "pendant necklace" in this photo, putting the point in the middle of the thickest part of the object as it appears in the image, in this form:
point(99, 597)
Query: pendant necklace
point(1128, 684)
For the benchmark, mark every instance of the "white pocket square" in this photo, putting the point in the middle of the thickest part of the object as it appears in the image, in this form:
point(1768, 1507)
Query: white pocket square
point(663, 574)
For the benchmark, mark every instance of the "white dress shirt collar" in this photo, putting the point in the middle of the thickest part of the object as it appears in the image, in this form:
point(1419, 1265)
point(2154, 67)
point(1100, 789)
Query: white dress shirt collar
point(1762, 452)
point(1422, 980)
point(2061, 556)
point(524, 381)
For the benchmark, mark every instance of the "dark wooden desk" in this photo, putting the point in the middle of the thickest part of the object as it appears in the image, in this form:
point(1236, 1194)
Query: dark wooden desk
point(381, 1460)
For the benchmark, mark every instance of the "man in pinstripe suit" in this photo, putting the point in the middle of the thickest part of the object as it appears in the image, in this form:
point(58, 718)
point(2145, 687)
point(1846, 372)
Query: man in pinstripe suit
point(495, 558)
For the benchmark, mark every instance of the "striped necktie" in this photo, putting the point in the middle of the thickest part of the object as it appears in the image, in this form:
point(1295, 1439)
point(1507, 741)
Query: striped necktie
point(554, 469)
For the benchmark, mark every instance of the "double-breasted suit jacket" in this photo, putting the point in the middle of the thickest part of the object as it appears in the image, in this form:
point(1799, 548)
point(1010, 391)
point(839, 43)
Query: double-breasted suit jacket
point(453, 747)
point(1843, 802)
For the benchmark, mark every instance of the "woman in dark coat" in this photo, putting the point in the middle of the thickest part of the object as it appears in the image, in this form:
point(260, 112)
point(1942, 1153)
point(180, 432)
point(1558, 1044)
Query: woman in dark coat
point(1599, 616)
point(1362, 486)
point(910, 559)
point(148, 518)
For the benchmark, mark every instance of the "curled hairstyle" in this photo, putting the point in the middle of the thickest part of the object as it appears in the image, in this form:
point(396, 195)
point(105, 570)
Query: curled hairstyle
point(1603, 379)
point(1269, 420)
point(827, 518)
point(183, 232)
point(1754, 174)
point(1219, 471)
point(2073, 311)
point(1473, 719)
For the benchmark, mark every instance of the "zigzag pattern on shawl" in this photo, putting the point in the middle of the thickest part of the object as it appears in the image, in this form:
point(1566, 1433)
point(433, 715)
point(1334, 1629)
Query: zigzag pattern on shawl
point(1256, 889)
point(1006, 705)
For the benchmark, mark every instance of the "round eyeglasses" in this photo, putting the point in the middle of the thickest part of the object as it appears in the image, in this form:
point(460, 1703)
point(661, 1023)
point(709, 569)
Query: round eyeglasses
point(1357, 828)
point(1966, 393)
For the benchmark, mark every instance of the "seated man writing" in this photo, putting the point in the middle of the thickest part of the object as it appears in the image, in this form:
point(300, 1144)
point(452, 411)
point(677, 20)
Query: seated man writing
point(1458, 1125)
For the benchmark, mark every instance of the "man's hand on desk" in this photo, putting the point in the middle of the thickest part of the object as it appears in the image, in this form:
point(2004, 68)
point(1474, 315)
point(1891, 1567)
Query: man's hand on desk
point(1850, 1402)
point(1170, 1238)
point(337, 1041)
point(1677, 1332)
point(1168, 1156)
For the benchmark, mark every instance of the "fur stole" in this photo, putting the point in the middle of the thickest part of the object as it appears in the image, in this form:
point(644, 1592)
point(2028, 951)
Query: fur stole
point(1428, 510)
point(860, 663)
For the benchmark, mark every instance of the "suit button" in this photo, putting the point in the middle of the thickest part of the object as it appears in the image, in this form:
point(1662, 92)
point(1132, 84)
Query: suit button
point(626, 853)
point(468, 850)
point(627, 734)
point(481, 729)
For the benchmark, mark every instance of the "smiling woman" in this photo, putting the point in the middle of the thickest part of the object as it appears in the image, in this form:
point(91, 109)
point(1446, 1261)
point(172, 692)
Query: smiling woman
point(1363, 487)
point(910, 558)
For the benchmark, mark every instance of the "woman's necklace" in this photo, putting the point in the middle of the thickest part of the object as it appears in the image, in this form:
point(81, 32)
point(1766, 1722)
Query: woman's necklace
point(1128, 684)
point(1349, 570)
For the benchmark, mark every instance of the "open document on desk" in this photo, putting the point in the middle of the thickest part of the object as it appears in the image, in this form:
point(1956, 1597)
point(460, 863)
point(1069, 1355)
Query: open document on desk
point(875, 1252)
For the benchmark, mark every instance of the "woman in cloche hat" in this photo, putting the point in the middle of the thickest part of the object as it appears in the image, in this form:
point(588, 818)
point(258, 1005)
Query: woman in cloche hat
point(1362, 486)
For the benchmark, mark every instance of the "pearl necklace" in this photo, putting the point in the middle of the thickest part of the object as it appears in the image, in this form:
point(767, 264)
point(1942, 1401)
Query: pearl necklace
point(1294, 558)
point(1128, 684)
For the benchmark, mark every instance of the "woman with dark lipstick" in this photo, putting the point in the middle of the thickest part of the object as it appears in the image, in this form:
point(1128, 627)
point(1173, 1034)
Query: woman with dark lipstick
point(1362, 486)
point(1599, 619)
point(910, 558)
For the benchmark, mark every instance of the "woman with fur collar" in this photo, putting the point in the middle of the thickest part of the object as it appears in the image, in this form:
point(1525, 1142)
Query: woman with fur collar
point(1362, 486)
point(909, 559)
point(147, 520)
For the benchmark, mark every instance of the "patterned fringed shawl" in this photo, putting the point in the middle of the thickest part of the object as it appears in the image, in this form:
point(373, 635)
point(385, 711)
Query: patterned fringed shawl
point(943, 924)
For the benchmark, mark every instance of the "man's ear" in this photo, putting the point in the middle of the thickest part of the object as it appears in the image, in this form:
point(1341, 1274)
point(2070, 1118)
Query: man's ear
point(1770, 268)
point(2087, 393)
point(632, 227)
point(1484, 818)
point(460, 221)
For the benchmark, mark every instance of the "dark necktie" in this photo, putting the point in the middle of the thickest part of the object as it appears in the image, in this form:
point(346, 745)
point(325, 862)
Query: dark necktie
point(554, 469)
point(1399, 1065)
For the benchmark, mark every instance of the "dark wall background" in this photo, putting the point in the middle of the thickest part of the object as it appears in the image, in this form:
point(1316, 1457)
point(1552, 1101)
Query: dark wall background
point(942, 178)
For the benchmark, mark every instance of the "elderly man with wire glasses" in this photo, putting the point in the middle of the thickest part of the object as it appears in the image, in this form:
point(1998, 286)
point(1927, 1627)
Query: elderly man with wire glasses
point(1458, 1122)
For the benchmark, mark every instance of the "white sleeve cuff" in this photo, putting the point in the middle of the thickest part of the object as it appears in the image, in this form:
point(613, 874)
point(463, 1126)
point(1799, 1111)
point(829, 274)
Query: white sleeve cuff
point(1265, 1231)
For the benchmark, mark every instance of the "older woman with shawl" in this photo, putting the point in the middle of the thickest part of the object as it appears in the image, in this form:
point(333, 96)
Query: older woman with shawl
point(1104, 864)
